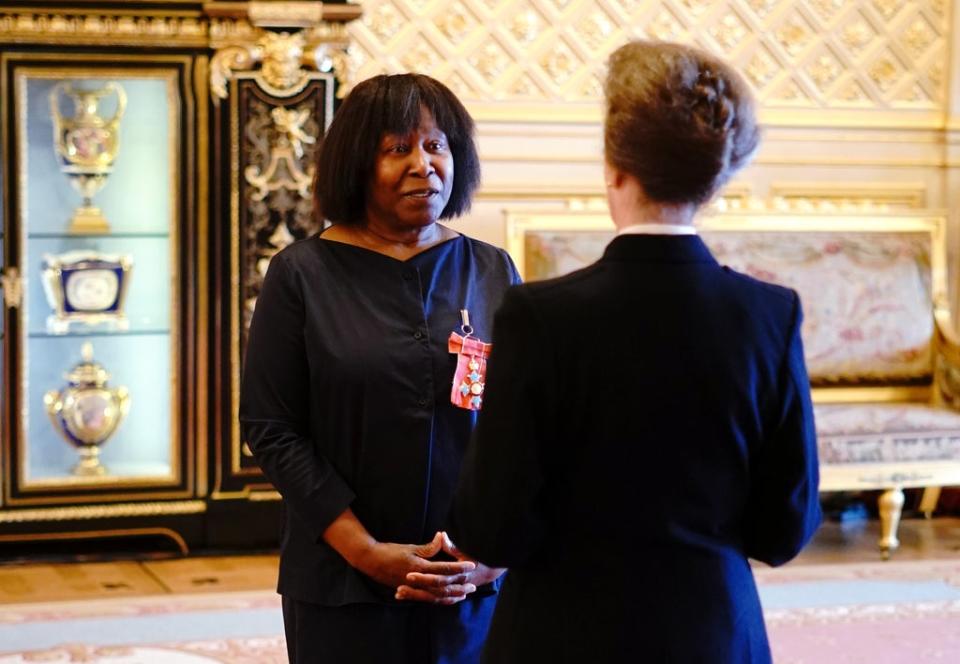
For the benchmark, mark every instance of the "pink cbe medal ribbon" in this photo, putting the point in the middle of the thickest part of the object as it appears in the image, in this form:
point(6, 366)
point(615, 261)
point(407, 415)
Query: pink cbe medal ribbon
point(471, 374)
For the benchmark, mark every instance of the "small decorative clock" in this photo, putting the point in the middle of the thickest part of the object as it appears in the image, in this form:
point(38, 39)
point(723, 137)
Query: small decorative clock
point(86, 287)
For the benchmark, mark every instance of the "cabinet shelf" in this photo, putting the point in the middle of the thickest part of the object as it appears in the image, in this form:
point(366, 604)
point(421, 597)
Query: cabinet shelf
point(97, 236)
point(99, 333)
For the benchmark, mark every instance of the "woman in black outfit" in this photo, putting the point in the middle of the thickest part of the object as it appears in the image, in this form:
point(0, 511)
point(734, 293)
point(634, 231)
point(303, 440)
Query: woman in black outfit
point(346, 397)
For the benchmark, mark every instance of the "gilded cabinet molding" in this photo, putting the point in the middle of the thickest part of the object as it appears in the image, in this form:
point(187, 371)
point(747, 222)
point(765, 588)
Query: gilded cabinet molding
point(12, 285)
point(217, 26)
point(284, 60)
point(84, 512)
point(226, 61)
point(103, 27)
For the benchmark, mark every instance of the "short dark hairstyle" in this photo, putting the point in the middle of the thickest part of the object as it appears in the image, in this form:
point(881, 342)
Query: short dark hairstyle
point(389, 105)
point(678, 119)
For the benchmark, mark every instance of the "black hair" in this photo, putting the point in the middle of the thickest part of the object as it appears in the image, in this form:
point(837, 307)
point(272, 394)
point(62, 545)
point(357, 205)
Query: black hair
point(389, 105)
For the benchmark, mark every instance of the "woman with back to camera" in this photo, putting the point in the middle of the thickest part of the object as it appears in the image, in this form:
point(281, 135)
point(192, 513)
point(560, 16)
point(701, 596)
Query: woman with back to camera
point(346, 398)
point(648, 426)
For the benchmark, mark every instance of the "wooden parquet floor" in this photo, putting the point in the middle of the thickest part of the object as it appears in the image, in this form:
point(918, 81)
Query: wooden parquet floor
point(921, 539)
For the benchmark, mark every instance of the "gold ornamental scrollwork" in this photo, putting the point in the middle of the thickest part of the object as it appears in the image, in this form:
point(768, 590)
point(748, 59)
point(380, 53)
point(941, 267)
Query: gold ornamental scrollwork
point(227, 60)
point(284, 169)
point(279, 150)
point(282, 55)
point(283, 58)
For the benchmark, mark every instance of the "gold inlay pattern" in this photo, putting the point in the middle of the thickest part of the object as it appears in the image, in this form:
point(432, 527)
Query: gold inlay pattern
point(103, 511)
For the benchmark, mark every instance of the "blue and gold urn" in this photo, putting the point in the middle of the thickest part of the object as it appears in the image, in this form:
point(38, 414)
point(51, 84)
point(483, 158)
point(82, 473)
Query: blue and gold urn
point(87, 412)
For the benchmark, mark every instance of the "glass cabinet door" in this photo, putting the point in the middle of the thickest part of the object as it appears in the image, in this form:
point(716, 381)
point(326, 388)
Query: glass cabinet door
point(4, 459)
point(98, 347)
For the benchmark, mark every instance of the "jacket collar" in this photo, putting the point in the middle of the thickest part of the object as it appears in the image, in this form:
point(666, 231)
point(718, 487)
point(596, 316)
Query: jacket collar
point(658, 249)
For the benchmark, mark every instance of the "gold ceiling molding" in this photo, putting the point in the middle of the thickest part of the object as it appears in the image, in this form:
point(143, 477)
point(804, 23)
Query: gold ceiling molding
point(801, 56)
point(103, 511)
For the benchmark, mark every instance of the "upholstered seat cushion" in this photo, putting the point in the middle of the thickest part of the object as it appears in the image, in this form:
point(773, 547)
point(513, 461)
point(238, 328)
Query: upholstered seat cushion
point(870, 433)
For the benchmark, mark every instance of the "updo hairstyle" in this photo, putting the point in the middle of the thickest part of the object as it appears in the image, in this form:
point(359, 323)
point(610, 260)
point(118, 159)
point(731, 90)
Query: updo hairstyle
point(679, 120)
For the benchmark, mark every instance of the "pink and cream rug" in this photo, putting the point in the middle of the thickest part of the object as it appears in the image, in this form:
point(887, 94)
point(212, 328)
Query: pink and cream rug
point(881, 613)
point(877, 613)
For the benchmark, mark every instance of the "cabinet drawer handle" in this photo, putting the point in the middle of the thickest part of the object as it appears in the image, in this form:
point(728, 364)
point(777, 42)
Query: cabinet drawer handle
point(12, 286)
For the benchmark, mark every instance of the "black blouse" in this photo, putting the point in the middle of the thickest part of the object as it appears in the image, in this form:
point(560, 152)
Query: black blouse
point(345, 398)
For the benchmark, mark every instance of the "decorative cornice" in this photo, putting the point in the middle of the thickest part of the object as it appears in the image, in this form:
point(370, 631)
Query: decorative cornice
point(84, 512)
point(217, 25)
point(104, 28)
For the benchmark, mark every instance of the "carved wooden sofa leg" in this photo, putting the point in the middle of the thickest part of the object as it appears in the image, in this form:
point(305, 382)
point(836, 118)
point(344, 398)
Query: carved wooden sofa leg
point(891, 505)
point(928, 504)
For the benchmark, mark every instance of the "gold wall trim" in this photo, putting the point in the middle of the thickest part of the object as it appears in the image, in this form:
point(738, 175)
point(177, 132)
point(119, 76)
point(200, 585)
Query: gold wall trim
point(828, 160)
point(83, 512)
point(592, 113)
point(933, 161)
point(920, 393)
point(255, 493)
point(773, 134)
point(540, 193)
point(105, 27)
point(100, 534)
point(168, 27)
point(898, 195)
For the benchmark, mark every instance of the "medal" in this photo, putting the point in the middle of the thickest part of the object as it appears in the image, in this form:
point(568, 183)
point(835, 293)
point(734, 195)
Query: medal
point(471, 372)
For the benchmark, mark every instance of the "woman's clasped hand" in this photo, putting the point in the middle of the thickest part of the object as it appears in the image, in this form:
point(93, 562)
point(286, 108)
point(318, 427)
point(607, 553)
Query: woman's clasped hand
point(445, 582)
point(436, 572)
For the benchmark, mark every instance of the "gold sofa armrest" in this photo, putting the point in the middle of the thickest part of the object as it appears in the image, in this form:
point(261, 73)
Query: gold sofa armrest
point(946, 360)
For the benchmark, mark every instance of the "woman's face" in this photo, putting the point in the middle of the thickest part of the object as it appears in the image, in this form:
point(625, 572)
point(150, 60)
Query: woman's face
point(412, 177)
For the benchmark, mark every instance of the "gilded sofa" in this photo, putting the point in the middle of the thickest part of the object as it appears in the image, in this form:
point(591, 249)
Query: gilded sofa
point(881, 350)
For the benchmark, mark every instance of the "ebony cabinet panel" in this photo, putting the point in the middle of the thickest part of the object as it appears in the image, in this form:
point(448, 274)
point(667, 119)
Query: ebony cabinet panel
point(155, 156)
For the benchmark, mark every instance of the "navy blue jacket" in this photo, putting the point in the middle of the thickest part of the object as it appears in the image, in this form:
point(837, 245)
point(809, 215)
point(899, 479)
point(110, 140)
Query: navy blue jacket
point(647, 427)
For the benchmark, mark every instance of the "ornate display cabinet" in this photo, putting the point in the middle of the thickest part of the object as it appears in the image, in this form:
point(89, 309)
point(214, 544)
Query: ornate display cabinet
point(155, 156)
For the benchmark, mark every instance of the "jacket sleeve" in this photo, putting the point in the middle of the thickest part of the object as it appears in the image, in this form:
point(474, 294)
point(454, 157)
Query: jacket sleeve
point(275, 403)
point(497, 515)
point(784, 508)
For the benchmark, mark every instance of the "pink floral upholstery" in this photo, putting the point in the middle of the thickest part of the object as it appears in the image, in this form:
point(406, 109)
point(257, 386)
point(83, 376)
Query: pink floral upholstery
point(867, 301)
point(869, 433)
point(866, 296)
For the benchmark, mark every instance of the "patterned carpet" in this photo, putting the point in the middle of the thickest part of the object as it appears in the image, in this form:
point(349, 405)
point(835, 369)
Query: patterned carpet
point(882, 613)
